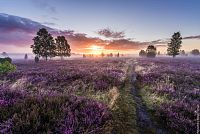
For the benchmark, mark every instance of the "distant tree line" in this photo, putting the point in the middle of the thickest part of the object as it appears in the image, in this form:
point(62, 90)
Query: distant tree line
point(173, 48)
point(45, 46)
point(195, 52)
point(150, 52)
point(110, 55)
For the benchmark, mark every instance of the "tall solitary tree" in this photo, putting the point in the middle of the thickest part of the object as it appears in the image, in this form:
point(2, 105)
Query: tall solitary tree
point(175, 44)
point(62, 47)
point(44, 45)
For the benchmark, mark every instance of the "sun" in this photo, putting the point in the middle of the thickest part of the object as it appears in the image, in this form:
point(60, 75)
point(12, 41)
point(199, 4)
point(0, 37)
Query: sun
point(94, 49)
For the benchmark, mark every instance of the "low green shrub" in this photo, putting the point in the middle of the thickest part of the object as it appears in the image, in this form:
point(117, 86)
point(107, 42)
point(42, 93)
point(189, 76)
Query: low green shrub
point(6, 67)
point(2, 60)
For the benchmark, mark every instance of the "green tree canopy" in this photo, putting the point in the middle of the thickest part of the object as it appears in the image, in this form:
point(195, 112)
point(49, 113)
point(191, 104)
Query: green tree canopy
point(62, 47)
point(151, 51)
point(175, 44)
point(142, 53)
point(44, 45)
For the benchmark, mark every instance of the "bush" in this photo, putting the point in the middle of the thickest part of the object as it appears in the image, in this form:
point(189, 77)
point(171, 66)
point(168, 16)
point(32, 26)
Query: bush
point(25, 56)
point(151, 54)
point(6, 67)
point(2, 60)
point(142, 53)
point(195, 52)
point(151, 51)
point(36, 59)
point(55, 114)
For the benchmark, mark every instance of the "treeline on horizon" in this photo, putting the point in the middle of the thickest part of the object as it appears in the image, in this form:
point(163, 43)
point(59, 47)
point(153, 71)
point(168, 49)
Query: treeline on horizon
point(46, 46)
point(173, 48)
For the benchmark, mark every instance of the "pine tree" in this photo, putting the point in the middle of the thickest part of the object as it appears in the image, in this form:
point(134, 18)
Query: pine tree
point(102, 54)
point(175, 44)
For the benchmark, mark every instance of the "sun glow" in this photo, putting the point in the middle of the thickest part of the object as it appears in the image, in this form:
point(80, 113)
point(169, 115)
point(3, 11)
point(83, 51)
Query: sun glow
point(94, 49)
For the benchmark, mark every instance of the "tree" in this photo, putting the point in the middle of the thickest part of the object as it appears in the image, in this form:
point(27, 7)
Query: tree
point(36, 59)
point(142, 53)
point(25, 56)
point(151, 51)
point(102, 54)
point(182, 52)
point(117, 54)
point(44, 45)
point(4, 54)
point(110, 55)
point(195, 52)
point(62, 47)
point(175, 44)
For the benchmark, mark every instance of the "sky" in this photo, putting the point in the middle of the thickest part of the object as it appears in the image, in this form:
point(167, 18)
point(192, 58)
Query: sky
point(93, 26)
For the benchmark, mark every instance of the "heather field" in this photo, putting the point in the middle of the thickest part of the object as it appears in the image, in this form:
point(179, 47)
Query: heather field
point(170, 90)
point(99, 67)
point(101, 96)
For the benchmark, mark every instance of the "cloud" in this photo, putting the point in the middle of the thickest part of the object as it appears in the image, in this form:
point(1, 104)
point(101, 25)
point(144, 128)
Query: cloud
point(124, 44)
point(19, 32)
point(192, 37)
point(49, 23)
point(159, 41)
point(10, 23)
point(161, 45)
point(45, 5)
point(108, 33)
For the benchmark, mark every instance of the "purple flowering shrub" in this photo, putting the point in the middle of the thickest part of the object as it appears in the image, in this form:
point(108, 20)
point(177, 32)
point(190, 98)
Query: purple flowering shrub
point(178, 80)
point(57, 75)
point(40, 98)
point(9, 97)
point(83, 116)
point(54, 114)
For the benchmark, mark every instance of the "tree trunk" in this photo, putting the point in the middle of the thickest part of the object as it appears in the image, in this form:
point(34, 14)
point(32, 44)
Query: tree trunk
point(46, 58)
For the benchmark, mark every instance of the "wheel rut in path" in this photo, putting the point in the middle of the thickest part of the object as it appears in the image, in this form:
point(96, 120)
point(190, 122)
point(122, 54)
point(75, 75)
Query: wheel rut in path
point(144, 121)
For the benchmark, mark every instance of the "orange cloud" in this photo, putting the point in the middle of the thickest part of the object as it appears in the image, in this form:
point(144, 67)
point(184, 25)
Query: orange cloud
point(17, 32)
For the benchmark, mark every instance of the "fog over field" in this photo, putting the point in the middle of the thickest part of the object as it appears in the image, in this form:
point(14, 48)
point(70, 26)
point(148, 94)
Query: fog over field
point(99, 67)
